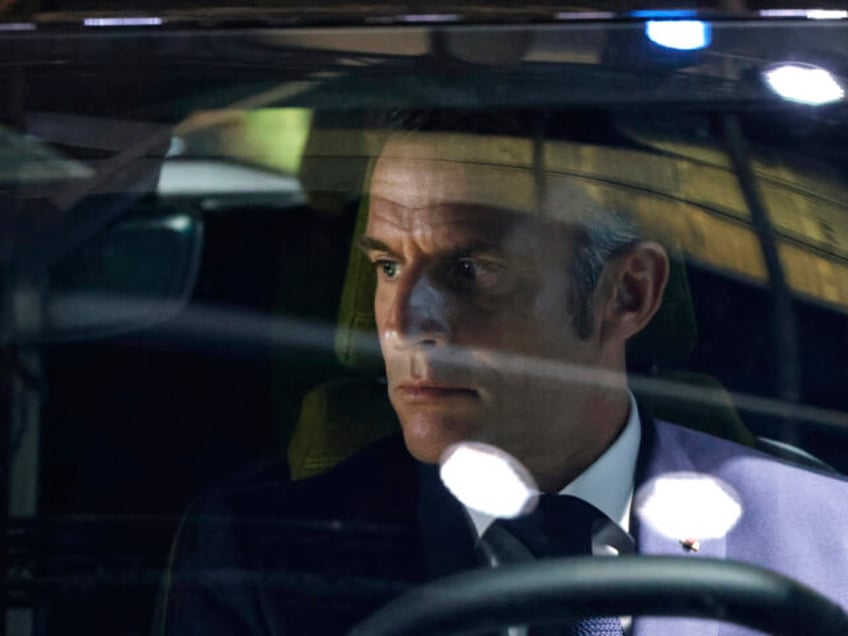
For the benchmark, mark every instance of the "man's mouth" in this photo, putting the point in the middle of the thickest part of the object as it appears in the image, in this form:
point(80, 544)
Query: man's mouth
point(430, 391)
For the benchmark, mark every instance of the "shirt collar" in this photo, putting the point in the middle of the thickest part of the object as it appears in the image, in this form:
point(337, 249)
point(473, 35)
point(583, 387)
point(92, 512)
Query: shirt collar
point(607, 483)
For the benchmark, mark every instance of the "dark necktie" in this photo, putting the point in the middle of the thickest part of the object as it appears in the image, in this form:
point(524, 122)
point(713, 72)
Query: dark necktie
point(559, 526)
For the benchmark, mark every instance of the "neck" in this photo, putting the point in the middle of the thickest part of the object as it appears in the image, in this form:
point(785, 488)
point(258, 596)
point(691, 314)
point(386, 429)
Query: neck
point(607, 420)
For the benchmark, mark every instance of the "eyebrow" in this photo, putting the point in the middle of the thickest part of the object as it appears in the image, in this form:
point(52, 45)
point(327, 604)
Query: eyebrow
point(370, 244)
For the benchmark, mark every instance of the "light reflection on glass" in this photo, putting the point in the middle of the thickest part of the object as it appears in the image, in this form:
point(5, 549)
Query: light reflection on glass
point(682, 35)
point(688, 506)
point(487, 479)
point(122, 22)
point(585, 15)
point(810, 14)
point(804, 83)
point(827, 14)
point(17, 26)
point(179, 223)
point(430, 17)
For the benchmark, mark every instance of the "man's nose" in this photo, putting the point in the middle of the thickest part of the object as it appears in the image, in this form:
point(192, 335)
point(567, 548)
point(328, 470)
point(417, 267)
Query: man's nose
point(420, 313)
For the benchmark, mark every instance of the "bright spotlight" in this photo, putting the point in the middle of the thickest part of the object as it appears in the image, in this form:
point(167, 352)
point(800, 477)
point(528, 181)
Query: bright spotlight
point(682, 35)
point(804, 83)
point(489, 480)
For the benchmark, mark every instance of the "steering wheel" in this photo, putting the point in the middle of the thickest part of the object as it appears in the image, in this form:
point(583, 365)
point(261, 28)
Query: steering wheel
point(560, 589)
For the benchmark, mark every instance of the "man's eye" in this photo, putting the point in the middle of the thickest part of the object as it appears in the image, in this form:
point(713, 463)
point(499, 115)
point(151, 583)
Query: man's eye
point(387, 268)
point(466, 270)
point(482, 276)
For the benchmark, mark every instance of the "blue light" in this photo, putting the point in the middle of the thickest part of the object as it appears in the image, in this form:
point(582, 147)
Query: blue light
point(664, 13)
point(683, 35)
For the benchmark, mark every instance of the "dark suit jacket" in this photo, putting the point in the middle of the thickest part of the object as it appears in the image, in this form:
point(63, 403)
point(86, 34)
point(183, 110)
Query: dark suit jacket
point(314, 557)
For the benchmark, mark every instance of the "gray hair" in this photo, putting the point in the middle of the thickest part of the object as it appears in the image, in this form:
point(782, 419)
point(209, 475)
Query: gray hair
point(597, 241)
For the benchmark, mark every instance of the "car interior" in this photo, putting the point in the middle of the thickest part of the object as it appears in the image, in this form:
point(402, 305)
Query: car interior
point(225, 330)
point(271, 371)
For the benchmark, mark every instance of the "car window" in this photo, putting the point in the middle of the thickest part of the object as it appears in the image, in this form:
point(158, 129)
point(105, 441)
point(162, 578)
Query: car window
point(265, 290)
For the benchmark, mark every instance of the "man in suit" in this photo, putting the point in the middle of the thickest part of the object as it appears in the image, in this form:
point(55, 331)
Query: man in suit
point(506, 294)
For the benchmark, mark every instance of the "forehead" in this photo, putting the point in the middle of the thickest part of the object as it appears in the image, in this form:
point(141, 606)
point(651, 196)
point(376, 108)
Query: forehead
point(419, 170)
point(429, 170)
point(446, 225)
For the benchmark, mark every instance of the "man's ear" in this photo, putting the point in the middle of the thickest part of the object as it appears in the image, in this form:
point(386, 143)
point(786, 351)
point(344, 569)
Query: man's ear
point(633, 290)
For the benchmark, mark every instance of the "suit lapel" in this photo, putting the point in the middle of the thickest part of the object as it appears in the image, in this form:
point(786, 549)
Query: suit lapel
point(446, 535)
point(661, 455)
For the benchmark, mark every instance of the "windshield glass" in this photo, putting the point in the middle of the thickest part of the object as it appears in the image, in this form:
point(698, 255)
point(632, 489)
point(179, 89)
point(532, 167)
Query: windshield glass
point(296, 321)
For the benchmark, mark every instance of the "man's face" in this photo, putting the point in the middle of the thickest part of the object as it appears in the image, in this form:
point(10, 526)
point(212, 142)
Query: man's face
point(473, 316)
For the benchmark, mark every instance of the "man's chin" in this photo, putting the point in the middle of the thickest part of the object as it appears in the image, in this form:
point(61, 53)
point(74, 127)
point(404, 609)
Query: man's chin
point(427, 438)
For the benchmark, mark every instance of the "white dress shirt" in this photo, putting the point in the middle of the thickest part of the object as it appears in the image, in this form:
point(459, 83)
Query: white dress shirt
point(607, 483)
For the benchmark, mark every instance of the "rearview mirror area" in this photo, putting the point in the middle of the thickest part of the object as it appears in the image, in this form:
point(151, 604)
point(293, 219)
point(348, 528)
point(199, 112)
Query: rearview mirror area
point(137, 273)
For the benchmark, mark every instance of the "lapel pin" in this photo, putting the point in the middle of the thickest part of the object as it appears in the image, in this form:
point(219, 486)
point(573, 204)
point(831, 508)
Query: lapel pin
point(690, 545)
